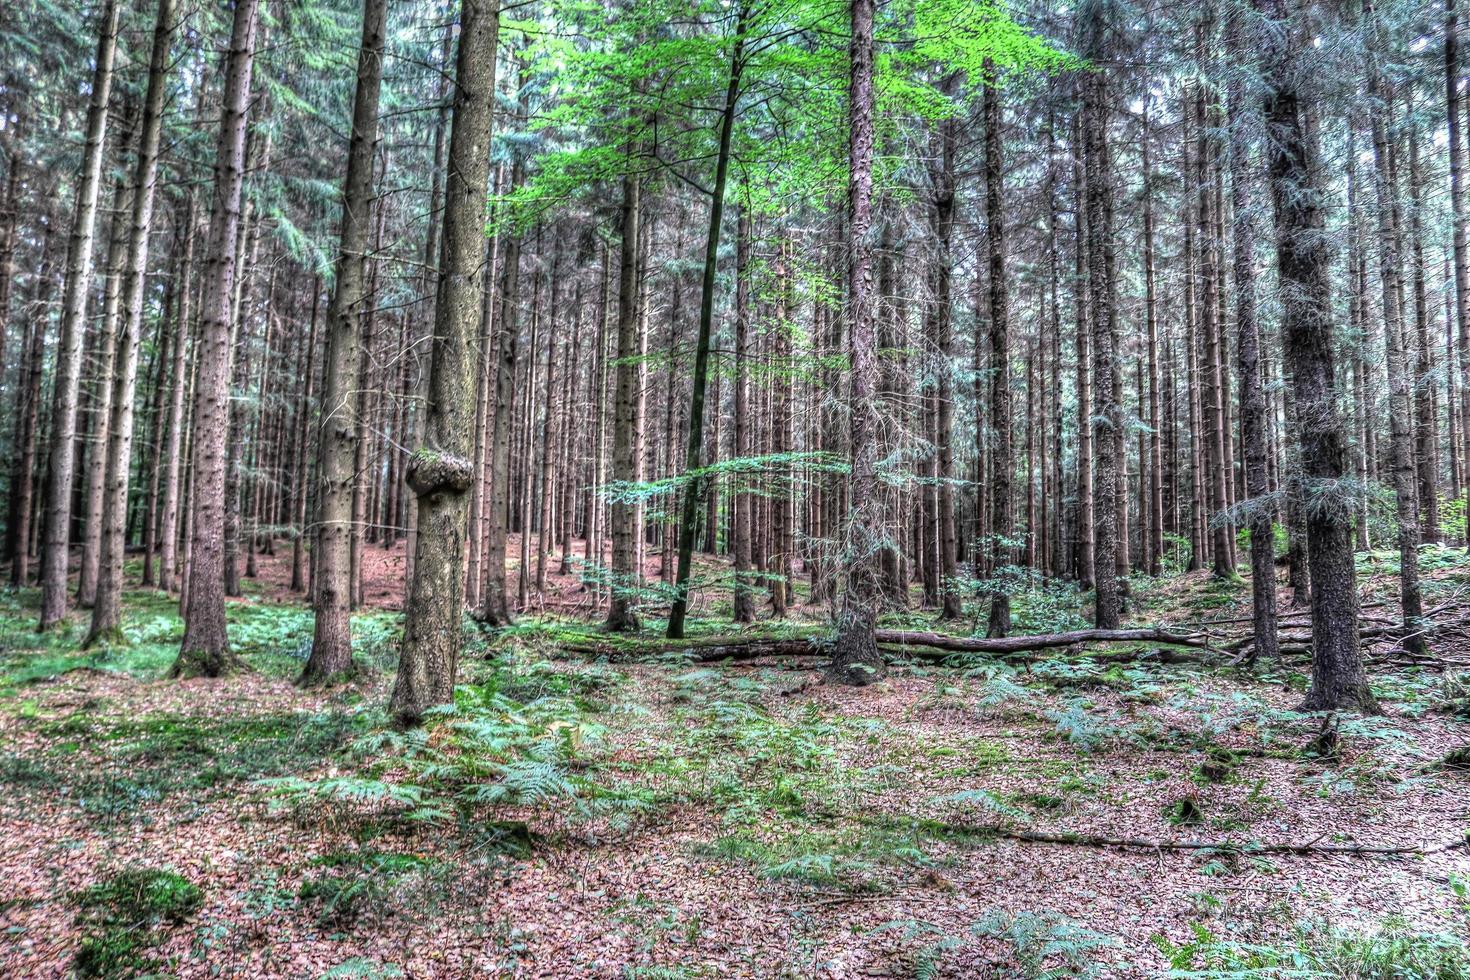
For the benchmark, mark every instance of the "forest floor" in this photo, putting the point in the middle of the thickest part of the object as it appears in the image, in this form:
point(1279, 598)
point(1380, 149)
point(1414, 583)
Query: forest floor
point(642, 815)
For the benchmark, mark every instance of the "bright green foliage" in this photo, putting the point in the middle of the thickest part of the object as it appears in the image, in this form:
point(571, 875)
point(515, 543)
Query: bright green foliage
point(636, 92)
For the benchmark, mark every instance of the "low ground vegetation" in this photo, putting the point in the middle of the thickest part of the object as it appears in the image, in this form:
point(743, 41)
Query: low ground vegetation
point(1097, 812)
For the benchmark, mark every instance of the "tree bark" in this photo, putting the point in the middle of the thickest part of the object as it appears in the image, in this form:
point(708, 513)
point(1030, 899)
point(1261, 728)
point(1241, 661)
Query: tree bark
point(1107, 416)
point(694, 451)
point(495, 604)
point(105, 354)
point(743, 606)
point(623, 514)
point(174, 444)
point(1400, 387)
point(107, 609)
point(1454, 124)
point(1002, 528)
point(440, 471)
point(19, 525)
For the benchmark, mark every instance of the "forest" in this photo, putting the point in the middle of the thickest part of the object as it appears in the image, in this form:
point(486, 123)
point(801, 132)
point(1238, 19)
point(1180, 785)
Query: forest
point(763, 488)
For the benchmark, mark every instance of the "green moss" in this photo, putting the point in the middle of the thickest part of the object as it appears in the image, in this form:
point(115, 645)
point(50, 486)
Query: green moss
point(121, 918)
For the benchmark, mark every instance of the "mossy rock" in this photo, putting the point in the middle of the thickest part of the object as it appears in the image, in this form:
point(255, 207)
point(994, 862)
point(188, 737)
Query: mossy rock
point(1218, 766)
point(1184, 812)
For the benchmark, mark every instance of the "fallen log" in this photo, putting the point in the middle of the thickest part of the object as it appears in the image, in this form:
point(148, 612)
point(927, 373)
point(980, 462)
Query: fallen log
point(909, 643)
point(1040, 641)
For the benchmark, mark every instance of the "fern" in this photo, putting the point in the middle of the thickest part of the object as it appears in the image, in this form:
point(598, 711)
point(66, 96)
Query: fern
point(1038, 939)
point(985, 800)
point(925, 960)
point(526, 783)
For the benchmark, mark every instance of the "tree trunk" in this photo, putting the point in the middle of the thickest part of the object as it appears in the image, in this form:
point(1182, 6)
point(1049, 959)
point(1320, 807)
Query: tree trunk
point(694, 451)
point(337, 432)
point(172, 484)
point(27, 416)
point(1400, 386)
point(743, 606)
point(1107, 414)
point(301, 468)
point(205, 647)
point(1002, 529)
point(855, 657)
point(1303, 261)
point(440, 471)
point(107, 610)
point(1086, 498)
point(1454, 101)
point(495, 604)
point(1426, 427)
point(621, 616)
point(1155, 529)
point(101, 402)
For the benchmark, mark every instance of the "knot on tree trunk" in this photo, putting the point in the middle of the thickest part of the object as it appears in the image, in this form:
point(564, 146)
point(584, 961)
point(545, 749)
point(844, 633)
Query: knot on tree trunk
point(431, 471)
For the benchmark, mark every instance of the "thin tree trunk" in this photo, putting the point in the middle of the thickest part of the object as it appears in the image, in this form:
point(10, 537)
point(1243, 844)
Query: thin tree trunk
point(1107, 414)
point(495, 606)
point(67, 378)
point(172, 484)
point(105, 356)
point(301, 467)
point(1248, 356)
point(337, 433)
point(1454, 101)
point(621, 616)
point(1002, 530)
point(27, 417)
point(743, 606)
point(107, 610)
point(1155, 529)
point(1400, 388)
point(1426, 428)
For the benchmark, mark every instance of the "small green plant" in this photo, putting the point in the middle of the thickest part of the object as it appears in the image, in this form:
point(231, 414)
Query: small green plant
point(121, 918)
point(359, 968)
point(349, 883)
point(1047, 945)
point(1320, 950)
